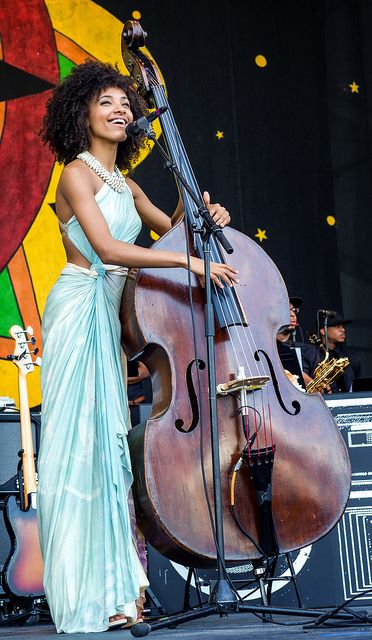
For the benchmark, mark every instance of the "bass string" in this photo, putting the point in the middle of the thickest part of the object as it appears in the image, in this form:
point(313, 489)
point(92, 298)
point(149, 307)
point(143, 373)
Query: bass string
point(178, 152)
point(175, 143)
point(264, 402)
point(179, 156)
point(261, 411)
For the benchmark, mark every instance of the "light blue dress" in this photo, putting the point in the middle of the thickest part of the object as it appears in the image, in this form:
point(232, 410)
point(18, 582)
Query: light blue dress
point(92, 570)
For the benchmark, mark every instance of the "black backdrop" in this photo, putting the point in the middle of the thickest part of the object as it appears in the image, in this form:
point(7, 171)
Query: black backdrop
point(296, 139)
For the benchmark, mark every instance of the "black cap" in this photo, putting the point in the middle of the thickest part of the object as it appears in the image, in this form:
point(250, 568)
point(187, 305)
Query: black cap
point(333, 321)
point(296, 301)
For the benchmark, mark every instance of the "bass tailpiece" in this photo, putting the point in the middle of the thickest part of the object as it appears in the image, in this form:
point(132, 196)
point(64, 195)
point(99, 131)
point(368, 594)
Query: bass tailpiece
point(260, 464)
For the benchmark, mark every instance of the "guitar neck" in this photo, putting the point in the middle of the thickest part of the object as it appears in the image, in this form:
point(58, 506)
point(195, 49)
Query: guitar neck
point(28, 461)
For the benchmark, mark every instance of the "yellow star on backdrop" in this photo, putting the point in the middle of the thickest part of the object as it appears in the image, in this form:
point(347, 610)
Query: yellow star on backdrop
point(219, 135)
point(354, 87)
point(261, 234)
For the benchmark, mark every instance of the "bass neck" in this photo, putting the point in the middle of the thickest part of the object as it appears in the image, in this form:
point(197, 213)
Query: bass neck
point(28, 458)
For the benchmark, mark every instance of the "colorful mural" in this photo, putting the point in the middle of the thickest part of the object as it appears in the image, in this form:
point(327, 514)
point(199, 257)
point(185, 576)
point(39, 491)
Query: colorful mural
point(39, 44)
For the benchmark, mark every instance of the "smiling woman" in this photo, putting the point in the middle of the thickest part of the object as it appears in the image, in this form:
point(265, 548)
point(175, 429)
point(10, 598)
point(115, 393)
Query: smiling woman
point(109, 115)
point(84, 463)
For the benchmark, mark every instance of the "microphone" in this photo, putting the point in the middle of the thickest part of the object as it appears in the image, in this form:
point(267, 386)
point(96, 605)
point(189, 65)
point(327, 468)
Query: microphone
point(328, 313)
point(143, 124)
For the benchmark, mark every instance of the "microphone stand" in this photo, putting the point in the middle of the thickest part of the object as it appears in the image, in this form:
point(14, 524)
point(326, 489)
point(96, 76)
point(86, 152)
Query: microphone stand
point(223, 595)
point(326, 333)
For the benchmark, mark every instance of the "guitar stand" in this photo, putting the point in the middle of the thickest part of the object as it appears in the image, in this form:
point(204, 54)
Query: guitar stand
point(26, 610)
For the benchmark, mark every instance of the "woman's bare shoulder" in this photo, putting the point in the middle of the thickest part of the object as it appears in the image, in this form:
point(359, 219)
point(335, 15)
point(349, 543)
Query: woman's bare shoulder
point(75, 170)
point(75, 175)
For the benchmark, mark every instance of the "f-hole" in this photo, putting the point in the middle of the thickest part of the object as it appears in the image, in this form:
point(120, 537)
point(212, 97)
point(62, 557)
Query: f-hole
point(296, 405)
point(179, 423)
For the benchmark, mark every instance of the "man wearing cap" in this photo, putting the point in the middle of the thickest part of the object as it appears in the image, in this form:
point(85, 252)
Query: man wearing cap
point(308, 353)
point(336, 346)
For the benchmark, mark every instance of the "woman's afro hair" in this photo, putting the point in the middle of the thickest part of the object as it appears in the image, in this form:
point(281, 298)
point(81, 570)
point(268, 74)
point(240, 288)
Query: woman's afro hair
point(65, 127)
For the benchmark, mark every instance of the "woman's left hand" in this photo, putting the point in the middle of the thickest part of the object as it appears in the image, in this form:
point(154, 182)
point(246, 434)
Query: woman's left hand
point(218, 213)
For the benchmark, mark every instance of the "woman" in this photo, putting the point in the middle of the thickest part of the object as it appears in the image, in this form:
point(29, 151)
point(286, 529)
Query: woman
point(93, 578)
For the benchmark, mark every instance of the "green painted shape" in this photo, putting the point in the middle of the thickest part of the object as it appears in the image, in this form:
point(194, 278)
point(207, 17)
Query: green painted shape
point(65, 66)
point(9, 312)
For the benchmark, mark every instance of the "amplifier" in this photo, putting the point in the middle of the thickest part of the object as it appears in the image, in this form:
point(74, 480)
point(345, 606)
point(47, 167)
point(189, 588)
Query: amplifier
point(353, 415)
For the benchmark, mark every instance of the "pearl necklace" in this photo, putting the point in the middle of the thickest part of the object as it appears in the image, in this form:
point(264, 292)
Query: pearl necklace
point(115, 180)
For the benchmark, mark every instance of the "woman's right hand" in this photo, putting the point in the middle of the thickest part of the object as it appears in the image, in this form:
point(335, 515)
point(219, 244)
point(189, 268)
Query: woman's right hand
point(220, 273)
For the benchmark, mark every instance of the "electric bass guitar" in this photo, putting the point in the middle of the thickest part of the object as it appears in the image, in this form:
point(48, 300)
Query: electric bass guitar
point(23, 570)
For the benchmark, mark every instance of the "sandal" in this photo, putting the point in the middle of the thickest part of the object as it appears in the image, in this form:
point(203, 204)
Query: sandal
point(117, 623)
point(140, 604)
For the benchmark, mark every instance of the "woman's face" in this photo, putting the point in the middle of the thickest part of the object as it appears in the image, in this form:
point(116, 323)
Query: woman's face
point(109, 114)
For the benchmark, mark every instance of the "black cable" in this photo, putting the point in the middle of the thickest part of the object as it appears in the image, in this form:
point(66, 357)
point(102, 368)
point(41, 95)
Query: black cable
point(245, 532)
point(272, 621)
point(323, 619)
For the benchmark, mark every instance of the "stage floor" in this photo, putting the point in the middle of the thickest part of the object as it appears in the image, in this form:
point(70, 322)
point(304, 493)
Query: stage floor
point(239, 626)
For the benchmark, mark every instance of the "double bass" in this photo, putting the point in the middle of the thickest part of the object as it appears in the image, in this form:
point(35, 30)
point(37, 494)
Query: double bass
point(263, 420)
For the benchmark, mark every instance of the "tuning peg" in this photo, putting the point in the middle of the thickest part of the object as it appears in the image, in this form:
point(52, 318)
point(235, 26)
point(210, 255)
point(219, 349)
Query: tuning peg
point(30, 331)
point(38, 361)
point(35, 351)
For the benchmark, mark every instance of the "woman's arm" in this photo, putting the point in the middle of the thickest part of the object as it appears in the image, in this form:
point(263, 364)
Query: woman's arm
point(157, 220)
point(77, 188)
point(153, 217)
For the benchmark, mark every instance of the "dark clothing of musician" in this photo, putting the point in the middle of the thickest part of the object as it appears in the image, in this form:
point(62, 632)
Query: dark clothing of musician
point(353, 371)
point(336, 333)
point(139, 388)
point(309, 355)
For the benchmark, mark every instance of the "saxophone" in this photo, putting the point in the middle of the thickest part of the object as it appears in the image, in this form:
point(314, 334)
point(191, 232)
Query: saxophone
point(327, 371)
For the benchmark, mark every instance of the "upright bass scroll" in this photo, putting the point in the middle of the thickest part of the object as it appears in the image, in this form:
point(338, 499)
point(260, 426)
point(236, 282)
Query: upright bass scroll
point(311, 470)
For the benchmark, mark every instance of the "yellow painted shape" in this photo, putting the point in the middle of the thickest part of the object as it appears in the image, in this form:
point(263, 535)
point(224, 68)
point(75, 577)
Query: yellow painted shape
point(260, 61)
point(45, 257)
point(331, 220)
point(354, 87)
point(43, 245)
point(90, 26)
point(154, 236)
point(261, 234)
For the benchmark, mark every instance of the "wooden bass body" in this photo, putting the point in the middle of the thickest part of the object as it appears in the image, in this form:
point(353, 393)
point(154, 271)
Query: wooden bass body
point(311, 472)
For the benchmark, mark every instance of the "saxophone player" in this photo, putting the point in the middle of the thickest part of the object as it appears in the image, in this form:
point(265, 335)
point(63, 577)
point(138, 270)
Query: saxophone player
point(336, 334)
point(304, 355)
